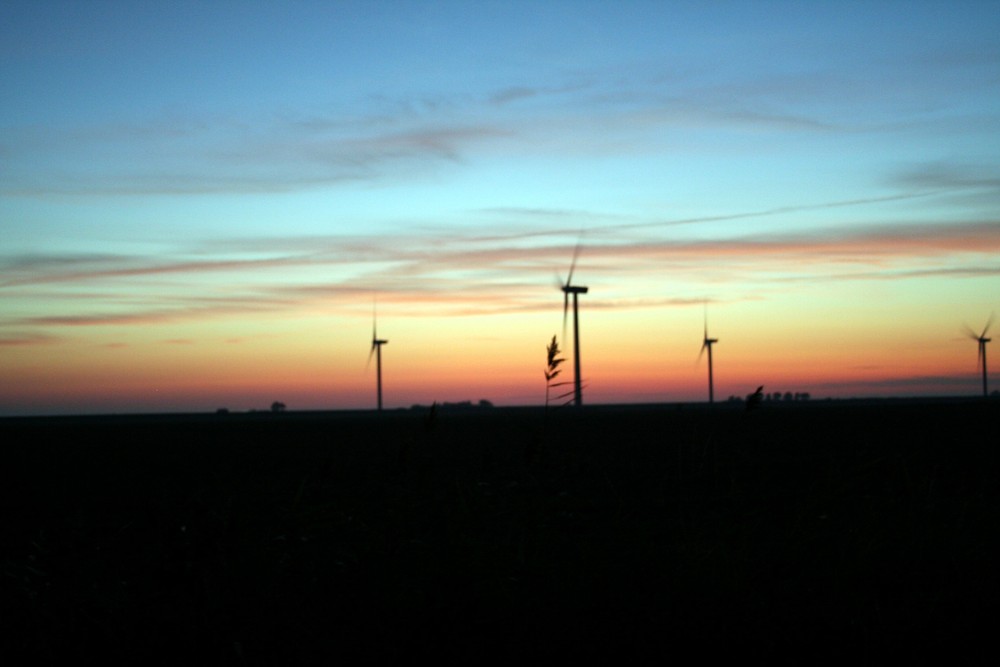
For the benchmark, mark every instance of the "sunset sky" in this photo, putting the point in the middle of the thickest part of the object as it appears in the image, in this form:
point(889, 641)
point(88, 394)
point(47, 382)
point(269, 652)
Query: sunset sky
point(200, 201)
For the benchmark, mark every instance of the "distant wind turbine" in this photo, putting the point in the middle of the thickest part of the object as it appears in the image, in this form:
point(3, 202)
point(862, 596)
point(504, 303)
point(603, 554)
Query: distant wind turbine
point(982, 340)
point(376, 350)
point(707, 344)
point(569, 288)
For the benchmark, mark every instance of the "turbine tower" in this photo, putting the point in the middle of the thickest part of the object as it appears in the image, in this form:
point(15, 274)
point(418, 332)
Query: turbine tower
point(569, 288)
point(982, 340)
point(376, 350)
point(707, 343)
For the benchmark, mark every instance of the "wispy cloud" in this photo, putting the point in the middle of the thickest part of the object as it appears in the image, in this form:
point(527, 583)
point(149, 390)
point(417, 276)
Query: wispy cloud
point(282, 152)
point(37, 269)
point(142, 316)
point(27, 339)
point(211, 156)
point(948, 176)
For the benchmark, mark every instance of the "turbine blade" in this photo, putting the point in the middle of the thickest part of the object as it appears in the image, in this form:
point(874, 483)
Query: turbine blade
point(989, 323)
point(572, 265)
point(370, 355)
point(967, 330)
point(704, 331)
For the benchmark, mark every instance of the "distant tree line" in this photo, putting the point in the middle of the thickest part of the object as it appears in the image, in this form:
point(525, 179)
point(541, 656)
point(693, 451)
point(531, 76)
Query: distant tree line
point(460, 405)
point(778, 396)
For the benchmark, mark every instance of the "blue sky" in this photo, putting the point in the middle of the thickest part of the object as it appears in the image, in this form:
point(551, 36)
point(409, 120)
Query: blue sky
point(186, 165)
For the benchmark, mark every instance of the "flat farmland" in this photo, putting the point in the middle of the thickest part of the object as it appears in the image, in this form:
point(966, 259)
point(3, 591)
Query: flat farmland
point(823, 528)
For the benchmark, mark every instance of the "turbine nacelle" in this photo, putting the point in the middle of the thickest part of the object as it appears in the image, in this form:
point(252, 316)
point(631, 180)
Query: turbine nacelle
point(707, 345)
point(376, 343)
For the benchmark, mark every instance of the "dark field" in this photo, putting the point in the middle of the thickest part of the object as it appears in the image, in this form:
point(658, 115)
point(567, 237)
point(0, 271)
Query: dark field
point(830, 530)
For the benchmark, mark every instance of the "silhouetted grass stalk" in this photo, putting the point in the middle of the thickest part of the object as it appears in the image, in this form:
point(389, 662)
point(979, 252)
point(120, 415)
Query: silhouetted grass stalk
point(552, 370)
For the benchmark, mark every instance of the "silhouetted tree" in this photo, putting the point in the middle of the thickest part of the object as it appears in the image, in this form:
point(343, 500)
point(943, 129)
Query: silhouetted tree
point(277, 406)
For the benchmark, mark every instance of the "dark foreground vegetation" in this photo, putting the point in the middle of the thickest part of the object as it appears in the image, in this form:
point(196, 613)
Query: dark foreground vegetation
point(837, 530)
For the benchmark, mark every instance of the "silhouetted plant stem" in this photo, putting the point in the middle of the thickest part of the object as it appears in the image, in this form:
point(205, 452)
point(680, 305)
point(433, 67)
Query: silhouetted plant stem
point(553, 360)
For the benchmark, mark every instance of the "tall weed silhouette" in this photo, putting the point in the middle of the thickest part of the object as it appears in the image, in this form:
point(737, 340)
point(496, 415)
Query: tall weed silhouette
point(552, 370)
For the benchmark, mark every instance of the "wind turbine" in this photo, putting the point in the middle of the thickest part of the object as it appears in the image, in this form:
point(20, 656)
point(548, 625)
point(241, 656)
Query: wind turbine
point(982, 340)
point(569, 288)
point(376, 350)
point(707, 343)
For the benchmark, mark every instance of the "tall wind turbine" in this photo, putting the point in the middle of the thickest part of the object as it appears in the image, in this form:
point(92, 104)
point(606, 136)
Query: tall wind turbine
point(376, 350)
point(707, 343)
point(569, 288)
point(982, 340)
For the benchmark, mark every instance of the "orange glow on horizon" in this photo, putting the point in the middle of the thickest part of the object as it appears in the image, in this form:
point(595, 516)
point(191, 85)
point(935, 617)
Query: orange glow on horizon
point(476, 358)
